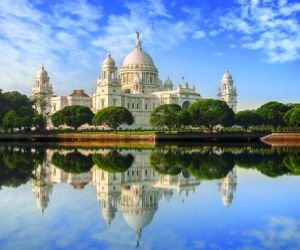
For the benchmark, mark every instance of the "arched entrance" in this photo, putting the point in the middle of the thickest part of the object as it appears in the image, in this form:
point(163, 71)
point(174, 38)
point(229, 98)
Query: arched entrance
point(186, 104)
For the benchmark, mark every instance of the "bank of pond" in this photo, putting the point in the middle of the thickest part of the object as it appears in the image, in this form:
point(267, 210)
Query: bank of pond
point(18, 163)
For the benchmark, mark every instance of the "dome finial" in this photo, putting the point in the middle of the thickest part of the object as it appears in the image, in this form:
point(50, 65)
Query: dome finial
point(138, 35)
point(138, 44)
point(42, 67)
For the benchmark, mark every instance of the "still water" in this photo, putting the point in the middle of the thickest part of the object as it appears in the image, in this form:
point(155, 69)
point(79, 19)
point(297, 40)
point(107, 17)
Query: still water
point(170, 197)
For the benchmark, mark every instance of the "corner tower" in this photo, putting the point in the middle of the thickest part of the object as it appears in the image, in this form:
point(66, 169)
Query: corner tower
point(227, 92)
point(108, 85)
point(42, 92)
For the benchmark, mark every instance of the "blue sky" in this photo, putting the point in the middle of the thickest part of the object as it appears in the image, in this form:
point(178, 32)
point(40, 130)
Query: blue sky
point(257, 40)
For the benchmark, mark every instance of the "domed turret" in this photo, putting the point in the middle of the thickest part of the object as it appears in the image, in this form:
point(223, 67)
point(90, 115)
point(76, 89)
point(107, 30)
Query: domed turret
point(168, 84)
point(227, 75)
point(227, 92)
point(42, 91)
point(109, 62)
point(42, 73)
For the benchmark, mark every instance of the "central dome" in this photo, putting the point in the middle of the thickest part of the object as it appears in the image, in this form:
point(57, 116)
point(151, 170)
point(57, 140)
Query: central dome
point(138, 56)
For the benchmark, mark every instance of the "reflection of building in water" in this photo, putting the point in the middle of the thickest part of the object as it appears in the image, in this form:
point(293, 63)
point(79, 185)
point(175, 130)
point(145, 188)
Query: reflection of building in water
point(228, 187)
point(135, 192)
point(42, 186)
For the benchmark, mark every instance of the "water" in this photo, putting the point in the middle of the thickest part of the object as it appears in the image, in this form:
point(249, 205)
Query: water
point(171, 197)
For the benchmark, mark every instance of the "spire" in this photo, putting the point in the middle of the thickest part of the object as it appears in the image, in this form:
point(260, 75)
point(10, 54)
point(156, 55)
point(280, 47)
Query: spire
point(43, 67)
point(138, 43)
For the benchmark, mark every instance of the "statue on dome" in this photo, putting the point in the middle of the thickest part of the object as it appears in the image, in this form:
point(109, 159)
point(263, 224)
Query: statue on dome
point(138, 35)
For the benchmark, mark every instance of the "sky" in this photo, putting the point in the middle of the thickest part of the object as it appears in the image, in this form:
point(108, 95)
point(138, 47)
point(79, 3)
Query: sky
point(258, 41)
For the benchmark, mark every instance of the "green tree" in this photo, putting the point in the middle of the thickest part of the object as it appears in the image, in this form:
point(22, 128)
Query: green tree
point(295, 118)
point(25, 117)
point(272, 113)
point(165, 115)
point(39, 121)
point(10, 120)
point(73, 116)
point(210, 112)
point(113, 117)
point(248, 118)
point(292, 117)
point(184, 118)
point(13, 101)
point(113, 161)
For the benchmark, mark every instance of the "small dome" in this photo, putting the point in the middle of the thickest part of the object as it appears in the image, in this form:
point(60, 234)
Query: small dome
point(185, 85)
point(42, 72)
point(227, 75)
point(168, 82)
point(108, 61)
point(79, 93)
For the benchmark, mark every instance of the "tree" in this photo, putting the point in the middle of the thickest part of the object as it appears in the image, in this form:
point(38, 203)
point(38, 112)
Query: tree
point(25, 117)
point(165, 115)
point(272, 113)
point(248, 118)
point(184, 118)
point(113, 117)
point(9, 120)
point(13, 101)
point(292, 116)
point(295, 118)
point(73, 116)
point(39, 121)
point(40, 102)
point(210, 112)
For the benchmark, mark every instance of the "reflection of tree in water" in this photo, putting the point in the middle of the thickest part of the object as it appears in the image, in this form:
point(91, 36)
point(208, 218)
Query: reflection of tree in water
point(269, 163)
point(292, 162)
point(210, 165)
point(166, 162)
point(73, 162)
point(113, 161)
point(207, 165)
point(17, 164)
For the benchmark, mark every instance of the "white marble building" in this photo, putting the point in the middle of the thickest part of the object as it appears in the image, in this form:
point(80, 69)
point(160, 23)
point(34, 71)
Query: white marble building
point(136, 86)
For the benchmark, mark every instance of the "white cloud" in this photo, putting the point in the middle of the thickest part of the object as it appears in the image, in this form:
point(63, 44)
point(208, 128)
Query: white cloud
point(272, 28)
point(150, 17)
point(279, 233)
point(199, 34)
point(57, 38)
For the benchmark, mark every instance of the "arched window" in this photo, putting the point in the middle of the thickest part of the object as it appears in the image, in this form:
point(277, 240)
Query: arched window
point(224, 86)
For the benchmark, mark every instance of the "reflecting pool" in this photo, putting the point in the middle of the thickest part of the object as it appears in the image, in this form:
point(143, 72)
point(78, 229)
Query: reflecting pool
point(167, 197)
